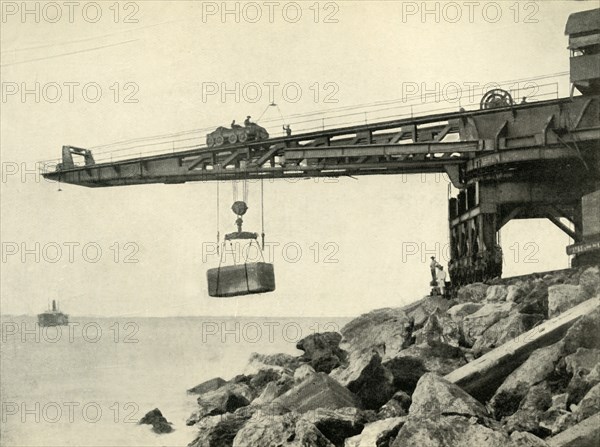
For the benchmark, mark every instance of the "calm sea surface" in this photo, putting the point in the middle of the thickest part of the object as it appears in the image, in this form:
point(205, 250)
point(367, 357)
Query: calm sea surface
point(89, 383)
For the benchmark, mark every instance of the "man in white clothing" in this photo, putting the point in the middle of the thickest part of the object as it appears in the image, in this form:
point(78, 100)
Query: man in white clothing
point(441, 279)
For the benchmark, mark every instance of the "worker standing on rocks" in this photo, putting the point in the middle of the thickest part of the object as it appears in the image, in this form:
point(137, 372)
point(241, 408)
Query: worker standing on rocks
point(441, 279)
point(432, 266)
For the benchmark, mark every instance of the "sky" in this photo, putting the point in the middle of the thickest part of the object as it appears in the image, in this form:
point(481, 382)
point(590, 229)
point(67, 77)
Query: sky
point(96, 74)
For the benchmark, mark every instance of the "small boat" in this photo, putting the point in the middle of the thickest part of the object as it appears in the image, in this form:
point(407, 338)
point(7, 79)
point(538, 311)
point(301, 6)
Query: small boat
point(53, 317)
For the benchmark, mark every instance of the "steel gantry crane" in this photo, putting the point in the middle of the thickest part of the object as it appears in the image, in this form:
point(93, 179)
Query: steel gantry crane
point(509, 161)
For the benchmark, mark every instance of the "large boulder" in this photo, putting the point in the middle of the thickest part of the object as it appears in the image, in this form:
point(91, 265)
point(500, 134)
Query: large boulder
point(440, 358)
point(505, 330)
point(385, 331)
point(535, 301)
point(375, 385)
point(589, 405)
point(449, 431)
point(582, 361)
point(460, 311)
point(263, 377)
point(159, 423)
point(562, 297)
point(472, 293)
point(421, 311)
point(584, 333)
point(496, 293)
point(517, 291)
point(539, 366)
point(337, 425)
point(317, 391)
point(370, 340)
point(524, 439)
point(529, 415)
point(476, 324)
point(322, 351)
point(226, 399)
point(280, 430)
point(397, 406)
point(218, 431)
point(589, 282)
point(209, 385)
point(303, 372)
point(377, 434)
point(439, 328)
point(271, 392)
point(434, 396)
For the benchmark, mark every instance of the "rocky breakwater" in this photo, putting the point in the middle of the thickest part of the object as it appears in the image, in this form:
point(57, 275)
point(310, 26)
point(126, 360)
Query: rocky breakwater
point(380, 381)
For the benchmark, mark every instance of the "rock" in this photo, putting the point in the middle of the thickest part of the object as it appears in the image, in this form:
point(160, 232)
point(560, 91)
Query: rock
point(524, 439)
point(448, 431)
point(218, 431)
point(474, 293)
point(584, 434)
point(559, 401)
point(159, 423)
point(427, 306)
point(505, 330)
point(339, 424)
point(273, 389)
point(475, 324)
point(307, 435)
point(397, 406)
point(261, 411)
point(584, 333)
point(434, 396)
point(406, 371)
point(385, 331)
point(526, 421)
point(536, 301)
point(262, 378)
point(282, 431)
point(303, 372)
point(527, 418)
point(556, 421)
point(589, 405)
point(322, 351)
point(377, 434)
point(589, 282)
point(577, 388)
point(209, 385)
point(458, 312)
point(369, 340)
point(226, 399)
point(439, 328)
point(317, 391)
point(536, 368)
point(582, 361)
point(413, 362)
point(495, 294)
point(374, 385)
point(562, 297)
point(269, 394)
point(516, 292)
point(538, 397)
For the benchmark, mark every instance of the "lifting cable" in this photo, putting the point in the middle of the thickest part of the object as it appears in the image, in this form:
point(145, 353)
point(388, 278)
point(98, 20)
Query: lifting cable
point(218, 234)
point(264, 111)
point(262, 213)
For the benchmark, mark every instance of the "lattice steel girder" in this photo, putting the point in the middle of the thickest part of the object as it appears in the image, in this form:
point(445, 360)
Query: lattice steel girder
point(383, 150)
point(536, 132)
point(169, 171)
